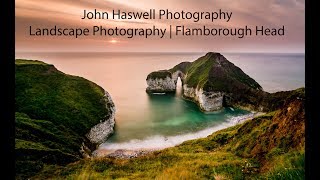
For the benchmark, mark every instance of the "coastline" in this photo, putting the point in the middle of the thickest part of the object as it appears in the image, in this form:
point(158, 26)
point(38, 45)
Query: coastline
point(127, 153)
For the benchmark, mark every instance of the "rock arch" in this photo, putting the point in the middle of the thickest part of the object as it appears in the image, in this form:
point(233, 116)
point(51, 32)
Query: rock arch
point(176, 75)
point(164, 81)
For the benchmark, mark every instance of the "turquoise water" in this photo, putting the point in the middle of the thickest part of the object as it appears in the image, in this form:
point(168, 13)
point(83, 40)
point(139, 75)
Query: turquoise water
point(163, 120)
point(169, 115)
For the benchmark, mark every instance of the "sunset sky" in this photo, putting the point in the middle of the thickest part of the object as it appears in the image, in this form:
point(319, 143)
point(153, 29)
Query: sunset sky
point(68, 13)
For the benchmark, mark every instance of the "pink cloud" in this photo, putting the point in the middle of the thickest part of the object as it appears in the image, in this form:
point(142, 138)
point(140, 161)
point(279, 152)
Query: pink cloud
point(67, 13)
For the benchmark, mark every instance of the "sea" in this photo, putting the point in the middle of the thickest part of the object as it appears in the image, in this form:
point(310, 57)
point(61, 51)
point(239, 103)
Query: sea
point(157, 121)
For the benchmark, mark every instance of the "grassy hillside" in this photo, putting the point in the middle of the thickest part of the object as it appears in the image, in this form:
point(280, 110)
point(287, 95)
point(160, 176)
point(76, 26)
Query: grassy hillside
point(53, 113)
point(225, 75)
point(198, 71)
point(214, 72)
point(183, 67)
point(267, 147)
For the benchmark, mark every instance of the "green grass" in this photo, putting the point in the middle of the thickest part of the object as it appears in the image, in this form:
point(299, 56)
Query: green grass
point(287, 166)
point(23, 144)
point(198, 72)
point(45, 132)
point(25, 61)
point(217, 75)
point(53, 113)
point(183, 67)
point(165, 165)
point(162, 74)
point(42, 92)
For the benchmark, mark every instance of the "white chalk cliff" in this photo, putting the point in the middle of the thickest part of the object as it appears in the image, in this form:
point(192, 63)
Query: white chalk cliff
point(100, 132)
point(208, 101)
point(161, 85)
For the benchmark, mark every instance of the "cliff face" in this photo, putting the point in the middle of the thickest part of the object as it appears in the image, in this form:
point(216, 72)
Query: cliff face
point(207, 101)
point(54, 113)
point(167, 84)
point(212, 82)
point(100, 132)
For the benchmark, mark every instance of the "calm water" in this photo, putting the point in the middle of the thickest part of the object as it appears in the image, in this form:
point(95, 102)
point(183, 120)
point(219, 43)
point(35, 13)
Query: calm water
point(156, 121)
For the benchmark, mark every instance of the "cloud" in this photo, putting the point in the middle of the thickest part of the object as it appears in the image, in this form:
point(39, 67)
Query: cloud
point(270, 13)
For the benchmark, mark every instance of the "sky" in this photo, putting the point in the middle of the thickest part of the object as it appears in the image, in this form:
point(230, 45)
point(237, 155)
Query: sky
point(68, 13)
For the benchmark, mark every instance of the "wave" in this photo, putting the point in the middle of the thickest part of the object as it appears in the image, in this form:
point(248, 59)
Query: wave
point(160, 142)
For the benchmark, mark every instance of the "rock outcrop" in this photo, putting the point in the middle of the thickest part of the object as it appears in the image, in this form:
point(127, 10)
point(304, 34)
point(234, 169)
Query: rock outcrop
point(161, 81)
point(213, 82)
point(100, 132)
point(207, 101)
